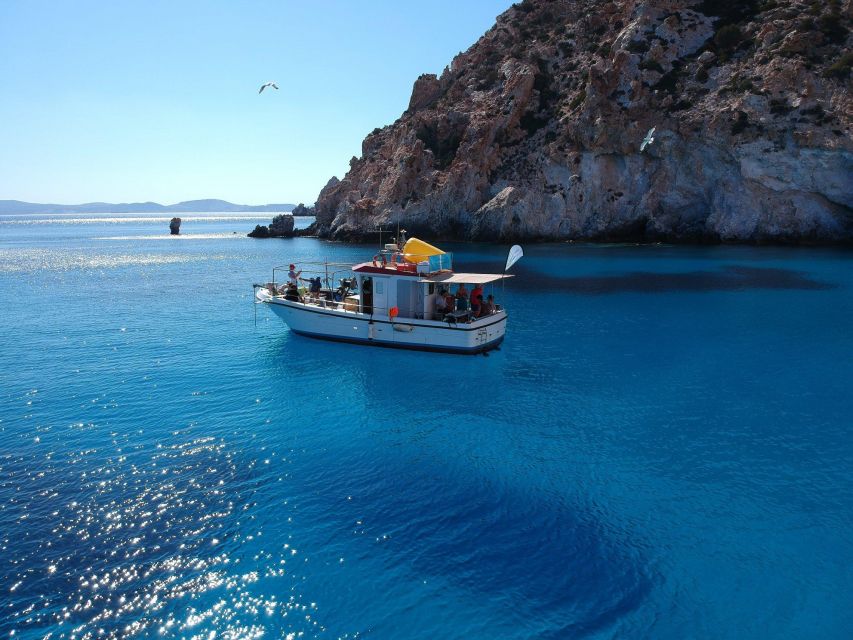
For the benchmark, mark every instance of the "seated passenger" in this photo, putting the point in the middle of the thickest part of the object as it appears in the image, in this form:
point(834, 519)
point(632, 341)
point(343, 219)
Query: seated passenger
point(488, 305)
point(476, 305)
point(462, 292)
point(292, 293)
point(449, 302)
point(440, 304)
point(461, 301)
point(346, 287)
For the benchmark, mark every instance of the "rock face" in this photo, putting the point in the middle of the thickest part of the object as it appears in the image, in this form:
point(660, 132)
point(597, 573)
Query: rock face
point(281, 227)
point(535, 131)
point(175, 226)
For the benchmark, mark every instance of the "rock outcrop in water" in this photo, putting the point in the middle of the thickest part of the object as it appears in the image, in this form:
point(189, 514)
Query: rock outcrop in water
point(175, 226)
point(535, 131)
point(281, 227)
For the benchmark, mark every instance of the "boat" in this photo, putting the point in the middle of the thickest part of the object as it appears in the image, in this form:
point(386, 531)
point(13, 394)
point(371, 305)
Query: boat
point(388, 301)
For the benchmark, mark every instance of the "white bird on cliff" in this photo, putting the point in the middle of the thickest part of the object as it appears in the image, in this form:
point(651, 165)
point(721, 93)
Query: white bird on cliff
point(647, 140)
point(268, 84)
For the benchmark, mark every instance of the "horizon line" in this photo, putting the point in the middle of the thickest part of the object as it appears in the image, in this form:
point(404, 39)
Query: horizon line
point(68, 204)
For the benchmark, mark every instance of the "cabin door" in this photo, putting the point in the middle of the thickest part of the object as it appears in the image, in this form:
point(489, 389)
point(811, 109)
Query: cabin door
point(406, 298)
point(380, 296)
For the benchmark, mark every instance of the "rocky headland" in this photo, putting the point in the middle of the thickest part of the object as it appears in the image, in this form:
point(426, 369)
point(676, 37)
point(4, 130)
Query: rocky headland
point(535, 131)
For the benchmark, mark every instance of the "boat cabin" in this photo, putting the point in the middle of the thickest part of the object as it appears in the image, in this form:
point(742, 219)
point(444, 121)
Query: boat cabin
point(388, 291)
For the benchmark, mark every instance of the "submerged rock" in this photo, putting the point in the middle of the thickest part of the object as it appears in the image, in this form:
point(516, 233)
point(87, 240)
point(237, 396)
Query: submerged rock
point(535, 131)
point(175, 226)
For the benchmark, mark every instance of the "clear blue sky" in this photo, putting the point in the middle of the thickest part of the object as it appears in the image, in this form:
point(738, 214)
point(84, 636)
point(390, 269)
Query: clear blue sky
point(152, 100)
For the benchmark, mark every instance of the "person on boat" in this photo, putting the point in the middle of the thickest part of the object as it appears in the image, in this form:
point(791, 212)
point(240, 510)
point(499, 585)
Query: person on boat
point(476, 291)
point(449, 301)
point(462, 292)
point(440, 304)
point(462, 299)
point(488, 306)
point(292, 293)
point(293, 275)
point(476, 304)
point(367, 296)
point(314, 286)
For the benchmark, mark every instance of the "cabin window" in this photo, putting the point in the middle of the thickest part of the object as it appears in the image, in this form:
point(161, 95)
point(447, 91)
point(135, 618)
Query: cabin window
point(380, 287)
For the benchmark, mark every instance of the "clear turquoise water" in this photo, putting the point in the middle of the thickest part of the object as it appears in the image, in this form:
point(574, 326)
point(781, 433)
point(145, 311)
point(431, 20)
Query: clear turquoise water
point(661, 449)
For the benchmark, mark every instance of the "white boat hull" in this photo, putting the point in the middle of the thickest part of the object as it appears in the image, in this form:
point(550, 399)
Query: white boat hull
point(406, 333)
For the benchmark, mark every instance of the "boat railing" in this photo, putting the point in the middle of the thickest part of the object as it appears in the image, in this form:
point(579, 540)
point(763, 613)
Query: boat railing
point(320, 268)
point(390, 313)
point(423, 264)
point(353, 305)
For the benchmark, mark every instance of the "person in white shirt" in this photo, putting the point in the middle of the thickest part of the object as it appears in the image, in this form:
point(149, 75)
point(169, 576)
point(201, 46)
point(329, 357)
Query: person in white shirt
point(293, 275)
point(440, 304)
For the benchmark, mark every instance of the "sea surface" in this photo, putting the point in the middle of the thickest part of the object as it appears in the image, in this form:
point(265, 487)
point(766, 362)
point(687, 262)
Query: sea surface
point(660, 449)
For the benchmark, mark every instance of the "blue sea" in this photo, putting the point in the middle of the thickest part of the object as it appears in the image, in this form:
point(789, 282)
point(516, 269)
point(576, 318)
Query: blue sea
point(660, 449)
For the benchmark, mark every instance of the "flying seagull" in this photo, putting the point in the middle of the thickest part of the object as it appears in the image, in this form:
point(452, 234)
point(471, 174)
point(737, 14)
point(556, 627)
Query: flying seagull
point(268, 84)
point(647, 140)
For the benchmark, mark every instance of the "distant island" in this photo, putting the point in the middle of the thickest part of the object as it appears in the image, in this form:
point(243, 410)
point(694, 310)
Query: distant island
point(190, 206)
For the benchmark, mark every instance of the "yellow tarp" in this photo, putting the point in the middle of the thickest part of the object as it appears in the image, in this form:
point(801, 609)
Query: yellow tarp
point(417, 250)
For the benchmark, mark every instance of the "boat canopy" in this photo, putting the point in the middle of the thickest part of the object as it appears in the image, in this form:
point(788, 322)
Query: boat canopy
point(465, 278)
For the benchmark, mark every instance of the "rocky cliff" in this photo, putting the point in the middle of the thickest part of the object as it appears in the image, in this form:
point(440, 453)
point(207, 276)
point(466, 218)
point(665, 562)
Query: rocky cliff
point(535, 131)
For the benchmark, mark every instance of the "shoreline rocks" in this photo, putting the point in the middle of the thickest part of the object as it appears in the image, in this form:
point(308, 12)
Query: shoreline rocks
point(280, 227)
